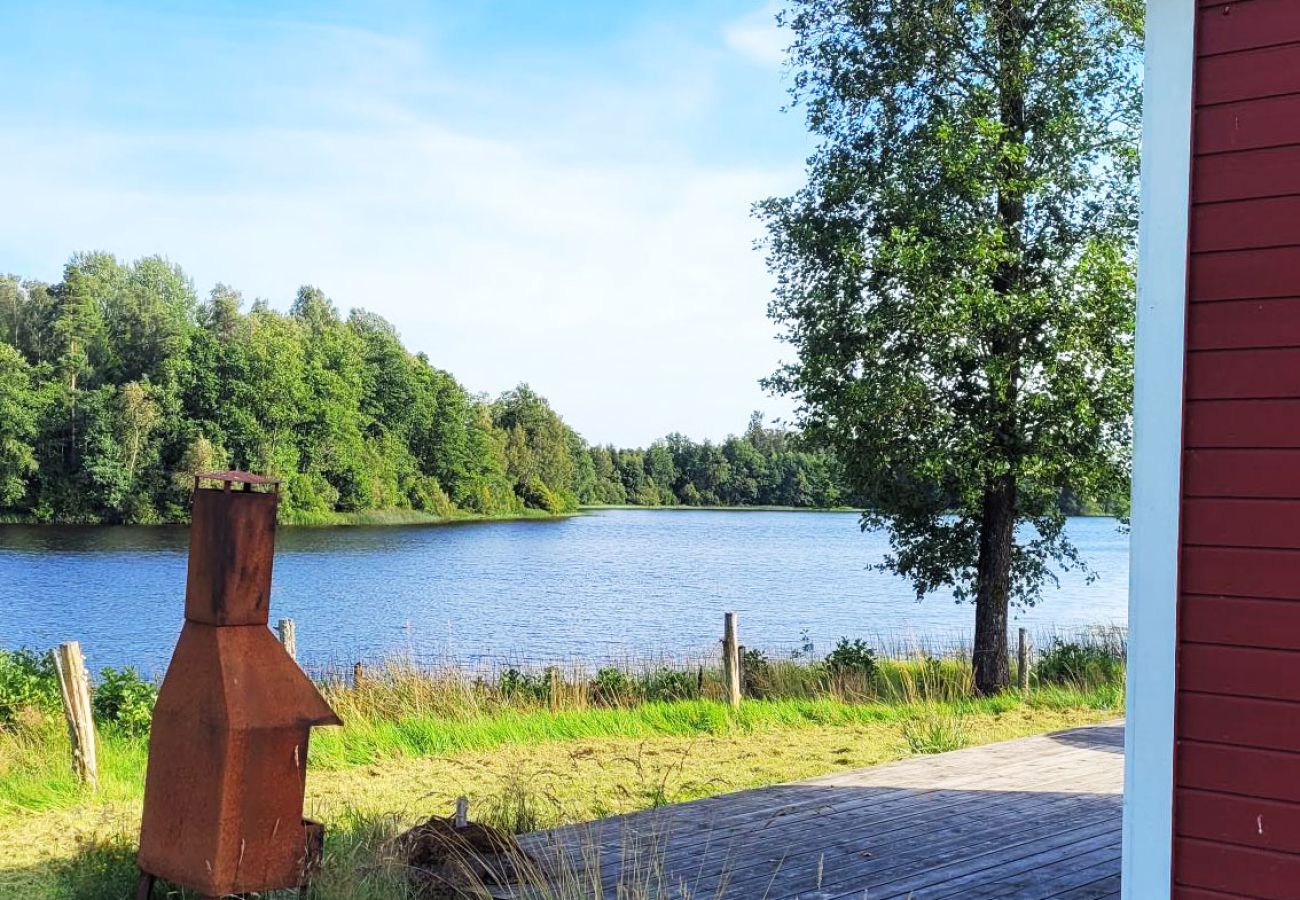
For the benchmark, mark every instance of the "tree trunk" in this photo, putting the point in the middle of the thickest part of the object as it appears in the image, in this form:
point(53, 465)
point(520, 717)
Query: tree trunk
point(998, 517)
point(993, 587)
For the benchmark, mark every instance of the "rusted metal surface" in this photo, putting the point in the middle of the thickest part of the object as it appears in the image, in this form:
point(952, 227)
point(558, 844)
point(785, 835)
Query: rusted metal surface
point(228, 749)
point(232, 545)
point(241, 478)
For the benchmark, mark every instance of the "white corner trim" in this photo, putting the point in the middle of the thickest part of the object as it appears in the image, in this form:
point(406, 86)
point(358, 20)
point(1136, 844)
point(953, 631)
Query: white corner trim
point(1157, 459)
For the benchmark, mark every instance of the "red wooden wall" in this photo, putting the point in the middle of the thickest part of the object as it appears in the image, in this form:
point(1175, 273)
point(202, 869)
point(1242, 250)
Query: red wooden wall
point(1237, 772)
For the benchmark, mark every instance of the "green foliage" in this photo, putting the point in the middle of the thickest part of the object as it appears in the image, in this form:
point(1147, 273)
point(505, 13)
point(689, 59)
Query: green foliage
point(756, 672)
point(957, 278)
point(1082, 663)
point(612, 686)
point(667, 684)
point(120, 698)
point(125, 700)
point(852, 658)
point(27, 680)
point(517, 684)
point(762, 467)
point(936, 731)
point(116, 384)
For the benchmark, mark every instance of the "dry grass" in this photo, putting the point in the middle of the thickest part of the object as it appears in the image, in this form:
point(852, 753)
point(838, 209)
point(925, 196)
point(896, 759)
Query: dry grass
point(531, 749)
point(518, 787)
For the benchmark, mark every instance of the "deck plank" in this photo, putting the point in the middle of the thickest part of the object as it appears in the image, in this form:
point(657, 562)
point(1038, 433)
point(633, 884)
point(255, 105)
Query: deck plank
point(1035, 819)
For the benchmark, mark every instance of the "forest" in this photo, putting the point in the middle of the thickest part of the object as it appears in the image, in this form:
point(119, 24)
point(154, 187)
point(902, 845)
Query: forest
point(119, 382)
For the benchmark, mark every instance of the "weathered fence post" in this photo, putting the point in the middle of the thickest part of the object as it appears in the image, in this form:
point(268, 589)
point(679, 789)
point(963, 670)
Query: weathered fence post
point(358, 673)
point(462, 812)
point(731, 659)
point(1023, 661)
point(289, 637)
point(74, 686)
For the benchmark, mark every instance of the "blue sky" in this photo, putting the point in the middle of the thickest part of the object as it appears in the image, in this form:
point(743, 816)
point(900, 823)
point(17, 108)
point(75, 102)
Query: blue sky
point(552, 192)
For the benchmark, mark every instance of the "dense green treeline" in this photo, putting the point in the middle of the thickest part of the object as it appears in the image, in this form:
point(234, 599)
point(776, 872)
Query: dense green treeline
point(118, 382)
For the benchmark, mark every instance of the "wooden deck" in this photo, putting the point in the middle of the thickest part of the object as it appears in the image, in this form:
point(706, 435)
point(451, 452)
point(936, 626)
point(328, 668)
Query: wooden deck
point(1035, 818)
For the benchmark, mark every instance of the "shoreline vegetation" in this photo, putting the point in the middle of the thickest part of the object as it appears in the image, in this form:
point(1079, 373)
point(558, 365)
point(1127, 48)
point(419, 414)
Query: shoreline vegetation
point(118, 383)
point(531, 747)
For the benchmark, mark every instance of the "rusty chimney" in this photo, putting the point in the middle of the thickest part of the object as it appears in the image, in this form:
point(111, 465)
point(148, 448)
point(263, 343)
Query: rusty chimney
point(223, 795)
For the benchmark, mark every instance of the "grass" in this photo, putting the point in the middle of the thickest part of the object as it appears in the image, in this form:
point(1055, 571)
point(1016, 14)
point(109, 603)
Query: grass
point(535, 749)
point(411, 517)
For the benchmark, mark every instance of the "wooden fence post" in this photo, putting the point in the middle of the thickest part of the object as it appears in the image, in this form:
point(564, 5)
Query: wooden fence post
point(1023, 661)
point(358, 673)
point(74, 687)
point(289, 638)
point(731, 659)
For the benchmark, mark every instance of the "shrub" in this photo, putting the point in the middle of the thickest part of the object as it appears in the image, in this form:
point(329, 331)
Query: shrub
point(27, 680)
point(124, 699)
point(669, 684)
point(515, 683)
point(611, 686)
point(852, 658)
point(1079, 664)
point(757, 671)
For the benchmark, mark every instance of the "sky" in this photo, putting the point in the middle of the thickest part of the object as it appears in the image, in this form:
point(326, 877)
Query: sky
point(557, 193)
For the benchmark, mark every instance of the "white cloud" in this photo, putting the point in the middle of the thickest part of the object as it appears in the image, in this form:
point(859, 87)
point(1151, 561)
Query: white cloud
point(757, 37)
point(623, 285)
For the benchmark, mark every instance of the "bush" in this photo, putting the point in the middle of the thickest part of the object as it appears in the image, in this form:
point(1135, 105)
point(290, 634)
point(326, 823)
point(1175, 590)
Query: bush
point(852, 658)
point(669, 684)
point(1083, 664)
point(611, 686)
point(27, 680)
point(124, 699)
point(527, 685)
point(757, 672)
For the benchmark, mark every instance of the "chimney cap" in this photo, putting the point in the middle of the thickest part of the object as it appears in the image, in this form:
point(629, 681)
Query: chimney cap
point(248, 479)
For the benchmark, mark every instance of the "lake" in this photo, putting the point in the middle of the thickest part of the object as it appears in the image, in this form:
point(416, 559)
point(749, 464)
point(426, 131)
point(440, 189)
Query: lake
point(609, 584)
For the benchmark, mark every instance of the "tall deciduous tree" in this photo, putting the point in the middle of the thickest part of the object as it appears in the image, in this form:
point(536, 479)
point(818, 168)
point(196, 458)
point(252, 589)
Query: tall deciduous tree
point(956, 277)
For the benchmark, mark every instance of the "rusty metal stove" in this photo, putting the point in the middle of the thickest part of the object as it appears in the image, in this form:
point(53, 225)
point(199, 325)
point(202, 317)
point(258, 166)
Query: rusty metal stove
point(227, 769)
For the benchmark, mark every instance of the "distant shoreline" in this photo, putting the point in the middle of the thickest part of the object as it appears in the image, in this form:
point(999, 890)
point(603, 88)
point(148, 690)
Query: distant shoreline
point(409, 517)
point(682, 507)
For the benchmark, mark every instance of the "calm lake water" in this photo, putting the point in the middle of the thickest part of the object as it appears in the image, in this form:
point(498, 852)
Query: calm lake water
point(605, 585)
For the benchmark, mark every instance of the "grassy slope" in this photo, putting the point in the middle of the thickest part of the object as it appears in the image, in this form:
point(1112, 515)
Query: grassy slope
point(521, 769)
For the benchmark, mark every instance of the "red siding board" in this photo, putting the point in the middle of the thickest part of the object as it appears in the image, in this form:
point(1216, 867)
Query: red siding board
point(1261, 874)
point(1182, 892)
point(1246, 274)
point(1248, 26)
point(1248, 75)
point(1241, 622)
point(1241, 572)
point(1236, 770)
point(1242, 424)
point(1225, 522)
point(1242, 473)
point(1247, 175)
point(1246, 224)
point(1238, 721)
point(1247, 821)
point(1243, 374)
point(1242, 324)
point(1249, 125)
point(1240, 671)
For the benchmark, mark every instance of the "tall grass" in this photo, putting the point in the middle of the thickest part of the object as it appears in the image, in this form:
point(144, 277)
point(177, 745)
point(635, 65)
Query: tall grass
point(399, 709)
